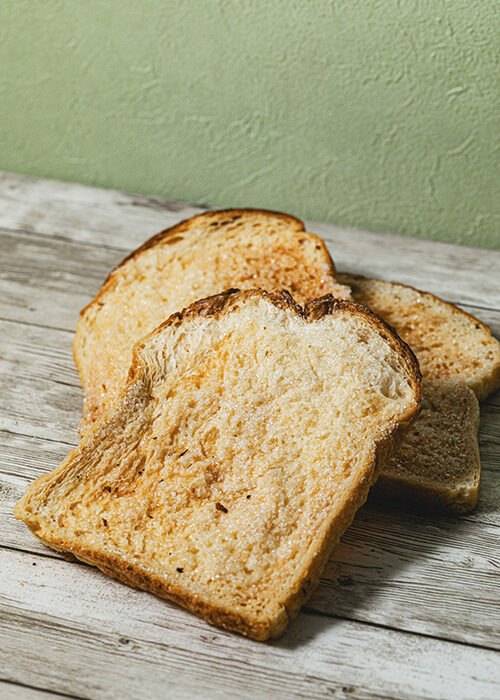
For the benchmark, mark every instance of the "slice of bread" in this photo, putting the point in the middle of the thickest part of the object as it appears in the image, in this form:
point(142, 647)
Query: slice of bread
point(438, 462)
point(246, 437)
point(199, 257)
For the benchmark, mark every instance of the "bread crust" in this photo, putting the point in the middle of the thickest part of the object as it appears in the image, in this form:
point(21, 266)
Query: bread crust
point(284, 610)
point(208, 221)
point(187, 224)
point(428, 494)
point(330, 305)
point(488, 386)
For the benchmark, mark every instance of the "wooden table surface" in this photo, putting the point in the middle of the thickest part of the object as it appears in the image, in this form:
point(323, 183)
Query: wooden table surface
point(408, 606)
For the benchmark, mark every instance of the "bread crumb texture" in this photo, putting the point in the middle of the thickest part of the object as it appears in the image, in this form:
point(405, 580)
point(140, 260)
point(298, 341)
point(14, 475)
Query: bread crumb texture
point(449, 343)
point(437, 463)
point(238, 452)
point(199, 257)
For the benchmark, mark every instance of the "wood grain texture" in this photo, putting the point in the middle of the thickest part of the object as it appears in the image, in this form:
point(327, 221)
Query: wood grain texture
point(404, 587)
point(47, 281)
point(121, 642)
point(15, 691)
point(123, 221)
point(85, 214)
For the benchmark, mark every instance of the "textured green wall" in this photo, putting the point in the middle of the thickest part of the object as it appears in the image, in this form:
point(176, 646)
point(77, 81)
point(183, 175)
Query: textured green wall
point(378, 114)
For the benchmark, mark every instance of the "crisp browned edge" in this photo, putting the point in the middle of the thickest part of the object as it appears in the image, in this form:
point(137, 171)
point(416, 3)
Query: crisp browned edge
point(426, 496)
point(487, 387)
point(183, 227)
point(216, 306)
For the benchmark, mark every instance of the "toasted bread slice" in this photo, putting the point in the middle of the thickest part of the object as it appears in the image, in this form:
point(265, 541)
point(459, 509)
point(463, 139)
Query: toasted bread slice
point(246, 437)
point(199, 257)
point(438, 462)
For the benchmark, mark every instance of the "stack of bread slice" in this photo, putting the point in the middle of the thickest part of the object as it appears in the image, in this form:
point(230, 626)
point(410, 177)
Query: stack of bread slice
point(240, 399)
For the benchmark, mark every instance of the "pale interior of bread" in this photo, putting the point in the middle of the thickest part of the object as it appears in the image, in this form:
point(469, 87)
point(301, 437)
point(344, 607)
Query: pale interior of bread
point(440, 451)
point(212, 253)
point(237, 444)
point(438, 461)
point(449, 343)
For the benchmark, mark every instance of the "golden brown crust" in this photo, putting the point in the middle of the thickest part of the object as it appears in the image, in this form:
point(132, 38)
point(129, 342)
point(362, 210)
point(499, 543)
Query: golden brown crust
point(487, 385)
point(315, 310)
point(131, 575)
point(330, 305)
point(350, 280)
point(218, 304)
point(220, 217)
point(210, 220)
point(339, 525)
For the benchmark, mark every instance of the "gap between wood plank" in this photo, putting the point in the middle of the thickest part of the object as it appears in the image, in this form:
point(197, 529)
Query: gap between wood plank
point(71, 445)
point(127, 250)
point(64, 239)
point(43, 326)
point(342, 266)
point(318, 613)
point(305, 609)
point(42, 690)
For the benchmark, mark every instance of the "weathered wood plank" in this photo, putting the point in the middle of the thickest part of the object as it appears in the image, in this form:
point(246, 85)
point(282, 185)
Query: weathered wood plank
point(41, 394)
point(393, 568)
point(458, 274)
point(106, 640)
point(106, 217)
point(47, 281)
point(429, 575)
point(85, 214)
point(14, 691)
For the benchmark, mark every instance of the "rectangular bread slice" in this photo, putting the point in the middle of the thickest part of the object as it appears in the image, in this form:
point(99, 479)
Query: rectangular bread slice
point(247, 436)
point(202, 256)
point(437, 463)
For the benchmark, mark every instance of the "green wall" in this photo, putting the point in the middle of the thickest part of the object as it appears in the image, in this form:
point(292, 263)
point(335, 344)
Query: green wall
point(374, 113)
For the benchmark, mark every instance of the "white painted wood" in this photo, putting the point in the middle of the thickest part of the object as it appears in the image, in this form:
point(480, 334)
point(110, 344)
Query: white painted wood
point(85, 214)
point(460, 274)
point(46, 281)
point(124, 221)
point(417, 574)
point(14, 691)
point(120, 642)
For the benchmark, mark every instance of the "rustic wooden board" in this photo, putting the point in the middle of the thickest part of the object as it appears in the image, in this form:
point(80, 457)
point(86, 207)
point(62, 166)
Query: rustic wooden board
point(15, 691)
point(408, 605)
point(123, 221)
point(123, 642)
